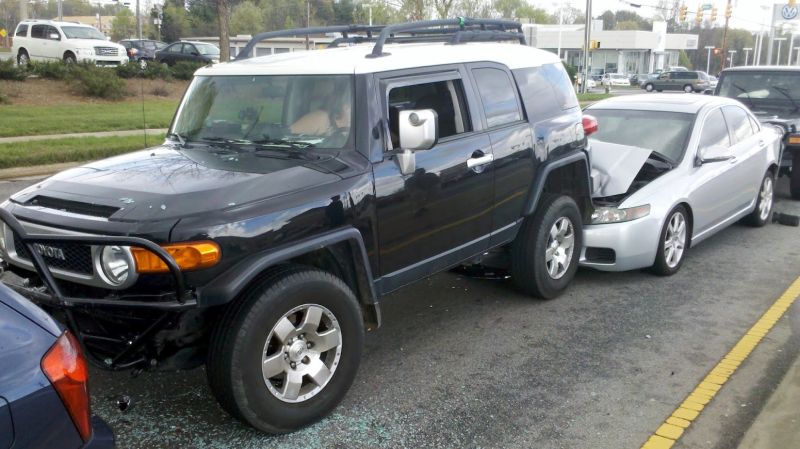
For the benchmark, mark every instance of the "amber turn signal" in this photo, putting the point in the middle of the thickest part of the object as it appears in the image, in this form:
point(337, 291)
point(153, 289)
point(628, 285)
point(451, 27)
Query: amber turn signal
point(189, 256)
point(794, 140)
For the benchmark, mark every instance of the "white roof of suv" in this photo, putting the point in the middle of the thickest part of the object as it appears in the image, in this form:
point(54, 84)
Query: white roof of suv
point(353, 59)
point(54, 23)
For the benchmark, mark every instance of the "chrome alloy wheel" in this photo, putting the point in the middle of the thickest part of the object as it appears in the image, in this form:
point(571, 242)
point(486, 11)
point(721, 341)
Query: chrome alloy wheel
point(560, 247)
point(675, 240)
point(765, 198)
point(301, 353)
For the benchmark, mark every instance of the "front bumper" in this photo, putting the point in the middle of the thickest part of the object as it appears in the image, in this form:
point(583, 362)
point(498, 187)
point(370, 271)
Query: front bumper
point(105, 61)
point(634, 244)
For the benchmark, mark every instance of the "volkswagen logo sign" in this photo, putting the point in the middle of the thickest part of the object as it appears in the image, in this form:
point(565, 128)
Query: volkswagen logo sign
point(789, 12)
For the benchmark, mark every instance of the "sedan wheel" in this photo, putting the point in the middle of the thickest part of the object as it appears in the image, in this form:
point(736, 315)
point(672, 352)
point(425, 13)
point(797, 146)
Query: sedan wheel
point(764, 202)
point(648, 87)
point(688, 89)
point(672, 244)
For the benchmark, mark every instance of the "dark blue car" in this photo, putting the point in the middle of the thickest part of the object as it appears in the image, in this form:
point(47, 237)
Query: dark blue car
point(44, 399)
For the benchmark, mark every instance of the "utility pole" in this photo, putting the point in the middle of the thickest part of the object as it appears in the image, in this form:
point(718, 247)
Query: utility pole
point(308, 20)
point(708, 58)
point(728, 13)
point(138, 21)
point(23, 9)
point(586, 41)
point(60, 11)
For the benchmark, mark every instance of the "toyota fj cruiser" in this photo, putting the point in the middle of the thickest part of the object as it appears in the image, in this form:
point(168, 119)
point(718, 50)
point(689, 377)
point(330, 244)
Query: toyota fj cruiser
point(296, 190)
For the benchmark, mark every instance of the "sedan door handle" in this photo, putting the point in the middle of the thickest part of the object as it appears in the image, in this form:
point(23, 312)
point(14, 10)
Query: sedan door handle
point(478, 161)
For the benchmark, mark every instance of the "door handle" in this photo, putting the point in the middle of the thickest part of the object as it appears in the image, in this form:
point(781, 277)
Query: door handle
point(478, 161)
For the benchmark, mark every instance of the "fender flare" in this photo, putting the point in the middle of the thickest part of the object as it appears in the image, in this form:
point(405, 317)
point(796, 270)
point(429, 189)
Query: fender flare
point(228, 285)
point(544, 172)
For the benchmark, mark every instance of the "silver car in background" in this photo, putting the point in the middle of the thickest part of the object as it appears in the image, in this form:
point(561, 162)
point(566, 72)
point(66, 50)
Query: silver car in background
point(670, 171)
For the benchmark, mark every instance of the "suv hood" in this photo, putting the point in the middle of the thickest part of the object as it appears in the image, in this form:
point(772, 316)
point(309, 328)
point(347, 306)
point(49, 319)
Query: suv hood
point(165, 183)
point(91, 43)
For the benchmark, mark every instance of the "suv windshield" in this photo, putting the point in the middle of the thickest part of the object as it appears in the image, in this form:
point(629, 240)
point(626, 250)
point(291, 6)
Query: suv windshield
point(288, 112)
point(73, 32)
point(763, 90)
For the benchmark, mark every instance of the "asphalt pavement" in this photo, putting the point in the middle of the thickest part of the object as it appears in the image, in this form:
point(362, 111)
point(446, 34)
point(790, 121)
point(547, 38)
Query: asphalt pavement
point(463, 362)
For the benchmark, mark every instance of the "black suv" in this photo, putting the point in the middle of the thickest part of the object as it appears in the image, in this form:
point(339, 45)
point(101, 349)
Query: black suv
point(142, 50)
point(295, 192)
point(773, 94)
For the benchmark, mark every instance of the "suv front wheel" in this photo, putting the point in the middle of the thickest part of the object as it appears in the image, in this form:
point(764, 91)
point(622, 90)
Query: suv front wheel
point(544, 256)
point(285, 354)
point(22, 58)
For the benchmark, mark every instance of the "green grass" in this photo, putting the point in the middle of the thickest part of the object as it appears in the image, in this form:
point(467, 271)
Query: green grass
point(589, 96)
point(21, 120)
point(76, 149)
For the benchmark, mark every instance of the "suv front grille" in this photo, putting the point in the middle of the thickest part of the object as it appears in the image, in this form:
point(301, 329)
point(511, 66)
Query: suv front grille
point(106, 51)
point(77, 258)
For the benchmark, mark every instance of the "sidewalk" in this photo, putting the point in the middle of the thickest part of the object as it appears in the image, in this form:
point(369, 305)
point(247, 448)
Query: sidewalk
point(132, 132)
point(778, 424)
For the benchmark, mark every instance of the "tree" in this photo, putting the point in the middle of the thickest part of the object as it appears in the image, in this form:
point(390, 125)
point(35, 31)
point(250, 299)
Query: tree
point(683, 60)
point(174, 21)
point(536, 15)
point(224, 17)
point(247, 18)
point(609, 20)
point(382, 13)
point(123, 25)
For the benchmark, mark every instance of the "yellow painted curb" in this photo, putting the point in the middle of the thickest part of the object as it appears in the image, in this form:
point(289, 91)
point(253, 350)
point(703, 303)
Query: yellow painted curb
point(674, 426)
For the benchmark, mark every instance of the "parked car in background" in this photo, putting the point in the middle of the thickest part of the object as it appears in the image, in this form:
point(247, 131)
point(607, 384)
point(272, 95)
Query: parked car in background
point(48, 40)
point(712, 82)
point(636, 78)
point(142, 50)
point(668, 172)
point(591, 83)
point(680, 80)
point(616, 79)
point(199, 52)
point(44, 397)
point(677, 68)
point(773, 95)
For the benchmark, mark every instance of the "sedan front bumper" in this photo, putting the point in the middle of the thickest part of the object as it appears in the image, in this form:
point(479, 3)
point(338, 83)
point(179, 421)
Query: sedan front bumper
point(621, 246)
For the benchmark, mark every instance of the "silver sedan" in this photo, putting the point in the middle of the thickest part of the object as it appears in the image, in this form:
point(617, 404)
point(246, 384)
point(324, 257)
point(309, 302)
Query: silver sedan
point(671, 170)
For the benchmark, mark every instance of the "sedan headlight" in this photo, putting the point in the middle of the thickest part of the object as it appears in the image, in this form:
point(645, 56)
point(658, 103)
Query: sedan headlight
point(603, 215)
point(116, 263)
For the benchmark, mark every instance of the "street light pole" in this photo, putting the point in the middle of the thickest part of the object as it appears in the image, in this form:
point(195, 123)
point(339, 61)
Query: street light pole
point(586, 41)
point(779, 40)
point(746, 54)
point(733, 54)
point(708, 59)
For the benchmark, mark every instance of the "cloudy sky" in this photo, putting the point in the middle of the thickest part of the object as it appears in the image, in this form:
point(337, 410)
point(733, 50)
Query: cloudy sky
point(746, 13)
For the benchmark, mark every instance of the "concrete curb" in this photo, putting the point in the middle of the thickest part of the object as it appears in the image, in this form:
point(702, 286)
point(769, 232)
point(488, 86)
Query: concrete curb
point(123, 133)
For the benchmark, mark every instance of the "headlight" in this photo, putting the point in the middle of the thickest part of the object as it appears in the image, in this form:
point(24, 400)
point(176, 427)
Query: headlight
point(602, 215)
point(116, 263)
point(85, 51)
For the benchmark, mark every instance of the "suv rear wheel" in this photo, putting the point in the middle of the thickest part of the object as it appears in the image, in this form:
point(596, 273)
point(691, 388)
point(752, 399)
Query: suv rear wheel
point(544, 256)
point(688, 88)
point(286, 353)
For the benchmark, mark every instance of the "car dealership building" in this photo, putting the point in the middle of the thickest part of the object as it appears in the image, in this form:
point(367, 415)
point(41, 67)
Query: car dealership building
point(624, 51)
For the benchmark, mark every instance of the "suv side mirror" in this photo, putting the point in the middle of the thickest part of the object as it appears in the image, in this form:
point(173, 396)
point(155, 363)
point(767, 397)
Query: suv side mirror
point(418, 132)
point(714, 153)
point(54, 37)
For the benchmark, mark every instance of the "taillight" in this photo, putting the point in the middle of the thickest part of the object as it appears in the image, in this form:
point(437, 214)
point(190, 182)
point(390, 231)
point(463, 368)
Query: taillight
point(794, 139)
point(590, 125)
point(66, 368)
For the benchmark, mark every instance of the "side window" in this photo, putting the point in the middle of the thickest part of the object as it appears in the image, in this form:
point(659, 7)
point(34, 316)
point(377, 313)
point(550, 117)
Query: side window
point(444, 97)
point(53, 30)
point(22, 30)
point(738, 123)
point(188, 49)
point(715, 131)
point(754, 124)
point(175, 48)
point(497, 94)
point(39, 31)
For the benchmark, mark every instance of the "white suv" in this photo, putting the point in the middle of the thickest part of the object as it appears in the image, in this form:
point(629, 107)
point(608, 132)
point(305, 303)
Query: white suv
point(47, 40)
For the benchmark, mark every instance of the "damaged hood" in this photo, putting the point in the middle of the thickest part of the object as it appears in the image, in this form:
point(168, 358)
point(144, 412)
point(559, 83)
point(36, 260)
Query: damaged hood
point(614, 167)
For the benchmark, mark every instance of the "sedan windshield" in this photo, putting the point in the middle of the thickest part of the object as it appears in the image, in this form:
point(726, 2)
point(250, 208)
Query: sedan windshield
point(763, 90)
point(666, 133)
point(73, 32)
point(283, 112)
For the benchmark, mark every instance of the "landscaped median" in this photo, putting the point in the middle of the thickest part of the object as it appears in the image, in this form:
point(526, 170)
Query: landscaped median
point(74, 149)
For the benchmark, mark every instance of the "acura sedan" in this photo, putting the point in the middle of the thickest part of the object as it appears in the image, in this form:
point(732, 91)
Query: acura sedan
point(669, 171)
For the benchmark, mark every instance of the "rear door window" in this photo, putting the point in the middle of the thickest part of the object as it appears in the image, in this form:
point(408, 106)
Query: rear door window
point(497, 95)
point(39, 31)
point(715, 131)
point(738, 122)
point(545, 91)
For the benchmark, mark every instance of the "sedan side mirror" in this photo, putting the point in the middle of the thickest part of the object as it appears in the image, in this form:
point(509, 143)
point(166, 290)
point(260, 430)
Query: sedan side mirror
point(418, 131)
point(714, 153)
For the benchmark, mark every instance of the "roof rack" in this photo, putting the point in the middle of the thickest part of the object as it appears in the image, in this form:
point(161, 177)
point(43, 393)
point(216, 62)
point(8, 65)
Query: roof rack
point(461, 30)
point(345, 30)
point(452, 31)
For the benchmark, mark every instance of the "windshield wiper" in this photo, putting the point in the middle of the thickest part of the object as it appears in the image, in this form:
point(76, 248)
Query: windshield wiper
point(746, 93)
point(178, 137)
point(783, 91)
point(279, 143)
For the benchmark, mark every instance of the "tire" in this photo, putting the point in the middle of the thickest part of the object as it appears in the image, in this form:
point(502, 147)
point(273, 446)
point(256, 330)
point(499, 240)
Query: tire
point(667, 263)
point(762, 214)
point(660, 90)
point(648, 87)
point(688, 88)
point(794, 176)
point(530, 270)
point(247, 336)
point(69, 58)
point(23, 58)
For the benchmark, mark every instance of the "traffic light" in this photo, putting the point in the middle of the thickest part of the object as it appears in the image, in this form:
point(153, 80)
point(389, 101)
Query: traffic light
point(682, 13)
point(716, 51)
point(699, 18)
point(729, 11)
point(594, 45)
point(713, 14)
